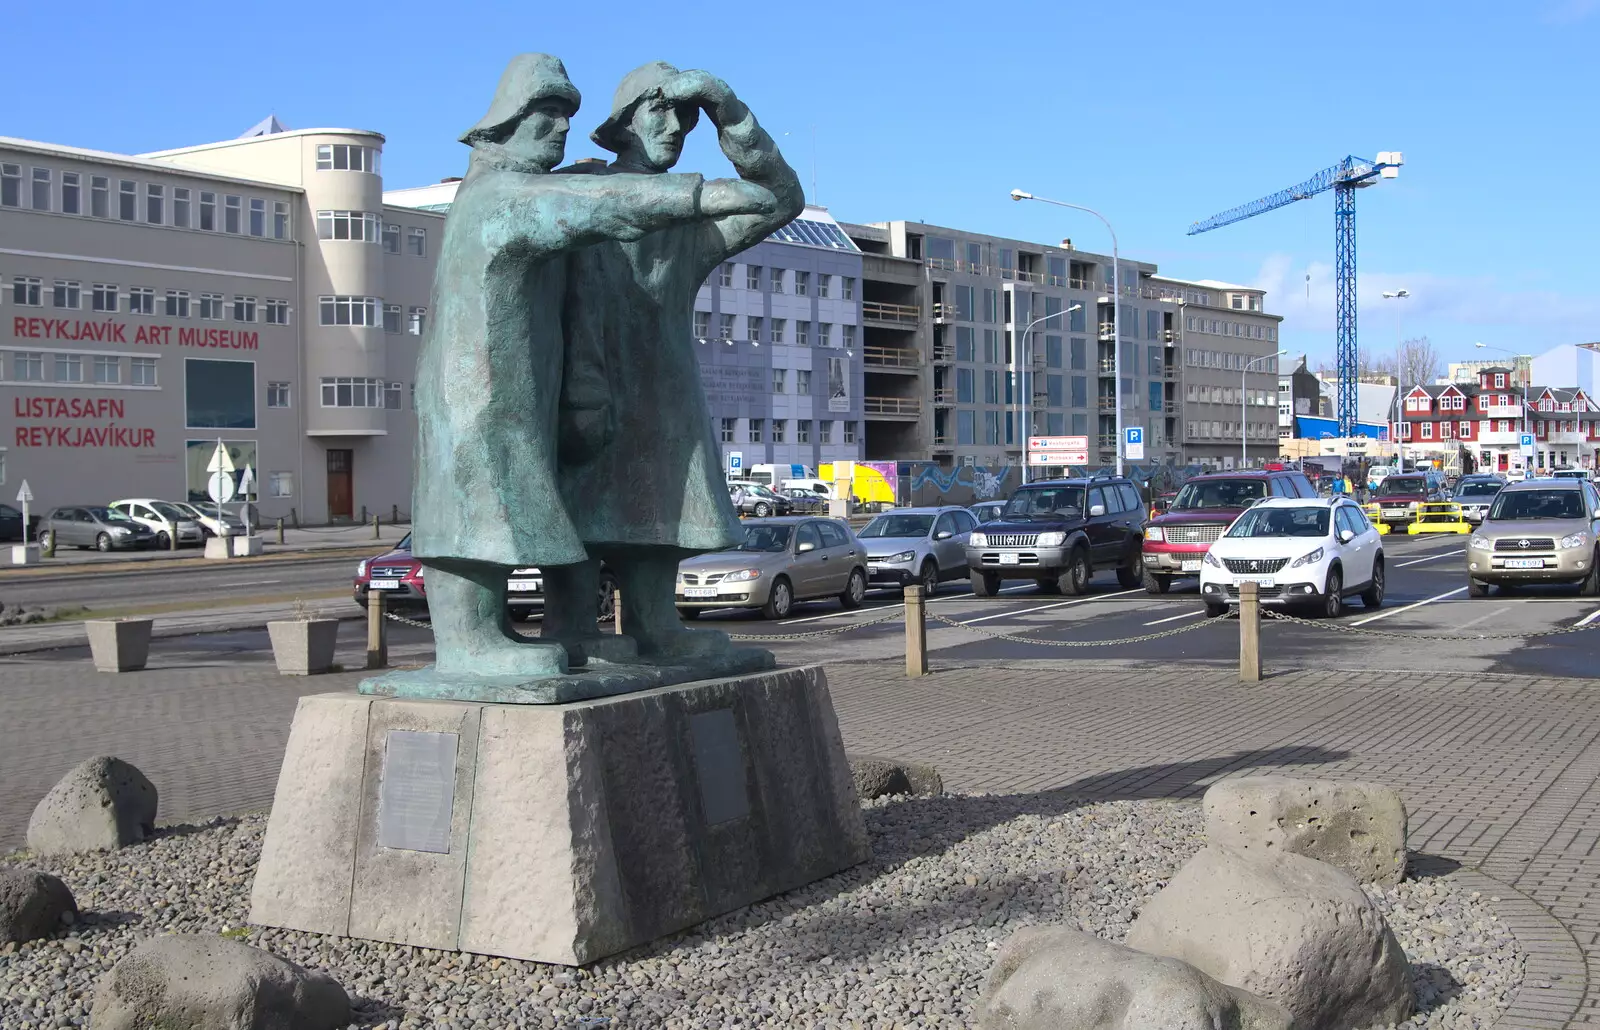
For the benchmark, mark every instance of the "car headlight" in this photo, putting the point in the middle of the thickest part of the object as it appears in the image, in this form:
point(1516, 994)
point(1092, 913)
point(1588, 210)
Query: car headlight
point(978, 540)
point(1579, 539)
point(417, 574)
point(742, 576)
point(1213, 561)
point(1413, 505)
point(361, 567)
point(121, 530)
point(901, 558)
point(1308, 559)
point(1052, 539)
point(1479, 542)
point(1154, 533)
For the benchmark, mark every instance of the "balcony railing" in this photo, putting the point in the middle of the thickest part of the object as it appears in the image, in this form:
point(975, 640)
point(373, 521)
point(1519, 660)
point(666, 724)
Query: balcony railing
point(1108, 330)
point(1168, 373)
point(890, 357)
point(944, 312)
point(905, 407)
point(944, 396)
point(1108, 367)
point(1172, 335)
point(944, 355)
point(1108, 441)
point(944, 444)
point(899, 314)
point(1106, 404)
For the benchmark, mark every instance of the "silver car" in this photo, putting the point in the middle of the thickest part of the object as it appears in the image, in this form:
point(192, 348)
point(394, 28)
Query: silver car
point(93, 525)
point(1475, 496)
point(781, 561)
point(1538, 531)
point(918, 545)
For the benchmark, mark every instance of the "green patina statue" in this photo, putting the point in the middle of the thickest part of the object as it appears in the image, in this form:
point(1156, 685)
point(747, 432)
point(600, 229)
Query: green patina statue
point(560, 415)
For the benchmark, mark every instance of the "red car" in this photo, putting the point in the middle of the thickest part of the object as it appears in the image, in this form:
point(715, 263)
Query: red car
point(400, 577)
point(1176, 541)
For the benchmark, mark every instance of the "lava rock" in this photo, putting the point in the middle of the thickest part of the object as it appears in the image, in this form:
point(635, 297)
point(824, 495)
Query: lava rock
point(32, 905)
point(1359, 827)
point(1058, 978)
point(882, 777)
point(102, 804)
point(1286, 927)
point(202, 983)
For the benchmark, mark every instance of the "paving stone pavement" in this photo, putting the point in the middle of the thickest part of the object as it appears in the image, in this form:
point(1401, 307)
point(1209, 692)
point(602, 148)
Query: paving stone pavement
point(1501, 774)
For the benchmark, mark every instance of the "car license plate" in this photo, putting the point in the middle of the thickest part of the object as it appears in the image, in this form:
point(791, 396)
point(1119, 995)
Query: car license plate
point(1191, 566)
point(525, 586)
point(384, 584)
point(1010, 559)
point(699, 591)
point(1263, 581)
point(1524, 563)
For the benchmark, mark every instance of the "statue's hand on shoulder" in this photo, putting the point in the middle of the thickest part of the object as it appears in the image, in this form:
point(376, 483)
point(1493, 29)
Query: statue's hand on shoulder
point(736, 197)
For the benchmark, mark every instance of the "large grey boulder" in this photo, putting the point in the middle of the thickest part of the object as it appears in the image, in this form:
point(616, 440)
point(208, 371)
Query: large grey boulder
point(883, 777)
point(102, 804)
point(1286, 927)
point(1359, 827)
point(211, 983)
point(32, 905)
point(1057, 978)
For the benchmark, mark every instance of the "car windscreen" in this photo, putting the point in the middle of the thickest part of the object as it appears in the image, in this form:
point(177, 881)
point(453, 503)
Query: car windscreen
point(1537, 504)
point(1219, 493)
point(1054, 500)
point(1394, 486)
point(897, 525)
point(168, 511)
point(1479, 491)
point(108, 515)
point(768, 539)
point(404, 544)
point(1260, 522)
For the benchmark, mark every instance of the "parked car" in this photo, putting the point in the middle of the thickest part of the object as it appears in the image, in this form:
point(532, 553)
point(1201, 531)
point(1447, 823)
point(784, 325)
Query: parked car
point(756, 499)
point(1176, 541)
point(1476, 495)
point(1299, 552)
point(11, 527)
point(93, 525)
point(917, 545)
point(162, 518)
point(1059, 533)
point(781, 561)
point(1537, 531)
point(210, 525)
point(804, 502)
point(525, 594)
point(400, 577)
point(1401, 493)
point(987, 511)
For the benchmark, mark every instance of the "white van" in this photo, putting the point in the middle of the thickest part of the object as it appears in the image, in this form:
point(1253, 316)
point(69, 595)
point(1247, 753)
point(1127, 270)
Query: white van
point(773, 475)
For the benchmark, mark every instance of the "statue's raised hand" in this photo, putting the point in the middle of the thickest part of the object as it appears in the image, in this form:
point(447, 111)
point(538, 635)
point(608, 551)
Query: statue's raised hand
point(736, 197)
point(700, 89)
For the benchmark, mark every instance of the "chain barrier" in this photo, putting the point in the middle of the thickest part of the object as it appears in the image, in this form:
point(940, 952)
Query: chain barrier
point(894, 616)
point(1275, 616)
point(1015, 638)
point(408, 622)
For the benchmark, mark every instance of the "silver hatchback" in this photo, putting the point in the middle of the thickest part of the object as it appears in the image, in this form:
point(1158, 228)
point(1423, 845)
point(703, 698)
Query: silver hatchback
point(918, 545)
point(96, 526)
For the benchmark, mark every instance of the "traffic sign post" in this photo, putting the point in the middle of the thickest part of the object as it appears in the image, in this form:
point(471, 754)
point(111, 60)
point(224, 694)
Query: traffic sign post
point(221, 469)
point(1133, 443)
point(735, 463)
point(25, 553)
point(1058, 450)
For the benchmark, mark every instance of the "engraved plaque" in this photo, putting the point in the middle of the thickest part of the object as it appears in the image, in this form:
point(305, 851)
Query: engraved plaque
point(719, 765)
point(417, 791)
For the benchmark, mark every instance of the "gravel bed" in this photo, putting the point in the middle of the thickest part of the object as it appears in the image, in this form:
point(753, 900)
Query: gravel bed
point(905, 940)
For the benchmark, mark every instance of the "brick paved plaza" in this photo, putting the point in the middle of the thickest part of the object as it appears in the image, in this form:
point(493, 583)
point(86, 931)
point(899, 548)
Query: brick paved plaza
point(1501, 774)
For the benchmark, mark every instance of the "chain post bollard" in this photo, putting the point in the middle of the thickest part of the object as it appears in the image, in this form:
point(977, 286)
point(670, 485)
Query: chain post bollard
point(377, 633)
point(377, 529)
point(49, 550)
point(363, 513)
point(172, 541)
point(916, 632)
point(294, 513)
point(1249, 633)
point(280, 532)
point(616, 611)
point(394, 515)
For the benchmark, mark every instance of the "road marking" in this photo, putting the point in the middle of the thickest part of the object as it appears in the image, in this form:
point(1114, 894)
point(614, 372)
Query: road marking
point(1048, 607)
point(1431, 557)
point(1407, 608)
point(1175, 618)
point(1481, 618)
point(1590, 617)
point(885, 607)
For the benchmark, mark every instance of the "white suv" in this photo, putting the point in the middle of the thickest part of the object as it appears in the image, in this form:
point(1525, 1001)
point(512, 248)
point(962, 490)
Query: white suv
point(1298, 551)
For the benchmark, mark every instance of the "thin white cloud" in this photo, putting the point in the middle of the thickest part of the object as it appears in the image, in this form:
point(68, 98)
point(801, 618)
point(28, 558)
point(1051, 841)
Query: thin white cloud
point(1569, 12)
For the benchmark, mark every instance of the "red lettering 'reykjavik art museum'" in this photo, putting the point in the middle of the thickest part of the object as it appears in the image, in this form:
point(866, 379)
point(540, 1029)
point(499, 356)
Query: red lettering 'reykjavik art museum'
point(81, 408)
point(108, 331)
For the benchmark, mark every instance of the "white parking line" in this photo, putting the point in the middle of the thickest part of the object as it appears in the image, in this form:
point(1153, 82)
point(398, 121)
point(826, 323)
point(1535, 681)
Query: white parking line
point(1590, 617)
point(886, 607)
point(1482, 618)
point(1175, 618)
point(1431, 557)
point(1407, 608)
point(1047, 607)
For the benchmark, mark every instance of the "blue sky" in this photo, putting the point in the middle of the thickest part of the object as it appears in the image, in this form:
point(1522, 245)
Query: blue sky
point(1157, 114)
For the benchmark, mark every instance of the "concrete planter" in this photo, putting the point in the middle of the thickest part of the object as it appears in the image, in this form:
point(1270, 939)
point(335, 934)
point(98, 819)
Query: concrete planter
point(246, 546)
point(119, 645)
point(303, 647)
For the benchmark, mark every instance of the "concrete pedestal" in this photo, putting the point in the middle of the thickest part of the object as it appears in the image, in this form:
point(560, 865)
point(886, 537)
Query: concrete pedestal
point(24, 554)
point(557, 833)
point(217, 546)
point(245, 546)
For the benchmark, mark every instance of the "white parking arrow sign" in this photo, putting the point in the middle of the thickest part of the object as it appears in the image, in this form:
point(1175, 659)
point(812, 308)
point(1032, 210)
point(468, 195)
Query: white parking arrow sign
point(221, 461)
point(25, 494)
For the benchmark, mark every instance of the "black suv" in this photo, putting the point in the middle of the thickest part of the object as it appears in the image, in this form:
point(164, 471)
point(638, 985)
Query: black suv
point(1059, 533)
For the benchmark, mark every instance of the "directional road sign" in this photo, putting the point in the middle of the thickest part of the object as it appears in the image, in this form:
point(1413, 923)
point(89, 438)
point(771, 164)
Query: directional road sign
point(25, 494)
point(220, 487)
point(221, 461)
point(1058, 457)
point(247, 482)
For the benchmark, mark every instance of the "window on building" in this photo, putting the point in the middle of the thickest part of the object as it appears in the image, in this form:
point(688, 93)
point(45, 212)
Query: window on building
point(10, 185)
point(822, 284)
point(127, 200)
point(802, 283)
point(104, 297)
point(244, 309)
point(155, 203)
point(965, 385)
point(65, 293)
point(41, 189)
point(417, 321)
point(211, 306)
point(363, 226)
point(757, 429)
point(725, 275)
point(802, 333)
point(824, 334)
point(802, 381)
point(351, 392)
point(825, 431)
point(393, 395)
point(347, 157)
point(849, 332)
point(780, 380)
point(177, 304)
point(724, 327)
point(849, 432)
point(142, 371)
point(752, 277)
point(280, 220)
point(280, 484)
point(141, 300)
point(802, 430)
point(348, 311)
point(258, 217)
point(107, 369)
point(777, 280)
point(232, 214)
point(729, 425)
point(208, 211)
point(966, 344)
point(99, 196)
point(180, 207)
point(702, 325)
point(69, 368)
point(277, 395)
point(780, 430)
point(391, 318)
point(27, 366)
point(71, 193)
point(391, 238)
point(219, 394)
point(417, 242)
point(277, 312)
point(779, 327)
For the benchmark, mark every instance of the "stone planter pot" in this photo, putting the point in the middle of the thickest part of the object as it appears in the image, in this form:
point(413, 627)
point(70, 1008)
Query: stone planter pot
point(303, 647)
point(119, 645)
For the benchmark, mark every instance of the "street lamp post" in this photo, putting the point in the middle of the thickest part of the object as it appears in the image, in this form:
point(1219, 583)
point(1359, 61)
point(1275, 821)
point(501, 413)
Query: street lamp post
point(1116, 307)
point(1244, 405)
point(1027, 380)
point(1399, 380)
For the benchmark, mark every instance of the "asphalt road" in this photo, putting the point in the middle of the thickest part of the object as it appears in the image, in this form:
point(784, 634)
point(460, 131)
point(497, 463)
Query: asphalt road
point(213, 583)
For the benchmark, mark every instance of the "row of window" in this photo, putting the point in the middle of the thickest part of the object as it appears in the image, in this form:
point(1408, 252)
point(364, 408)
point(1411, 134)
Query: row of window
point(1462, 430)
point(68, 295)
point(1456, 402)
point(371, 312)
point(107, 370)
point(1197, 357)
point(1230, 395)
point(350, 157)
point(369, 227)
point(804, 284)
point(359, 392)
point(1225, 430)
point(1222, 327)
point(156, 204)
point(756, 430)
point(759, 329)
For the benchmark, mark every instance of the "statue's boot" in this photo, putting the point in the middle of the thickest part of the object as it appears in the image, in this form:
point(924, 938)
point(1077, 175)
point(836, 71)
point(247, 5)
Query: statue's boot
point(571, 593)
point(650, 614)
point(472, 631)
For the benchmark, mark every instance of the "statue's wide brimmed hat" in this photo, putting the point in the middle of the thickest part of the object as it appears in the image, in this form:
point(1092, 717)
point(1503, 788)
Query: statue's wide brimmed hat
point(635, 86)
point(528, 79)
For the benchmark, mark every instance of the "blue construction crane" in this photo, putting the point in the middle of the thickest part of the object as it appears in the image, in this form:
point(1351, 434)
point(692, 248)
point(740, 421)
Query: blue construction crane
point(1344, 179)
